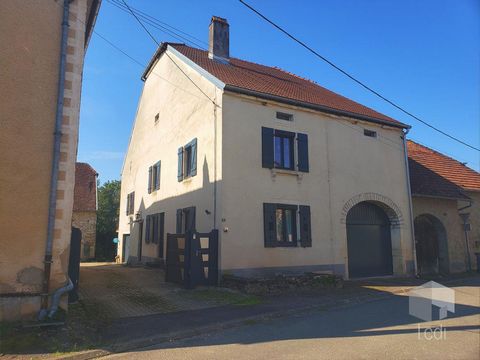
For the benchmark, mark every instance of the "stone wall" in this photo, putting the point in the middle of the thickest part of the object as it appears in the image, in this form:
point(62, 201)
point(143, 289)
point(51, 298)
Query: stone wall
point(86, 221)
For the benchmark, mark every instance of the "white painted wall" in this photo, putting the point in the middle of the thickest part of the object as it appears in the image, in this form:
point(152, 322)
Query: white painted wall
point(184, 113)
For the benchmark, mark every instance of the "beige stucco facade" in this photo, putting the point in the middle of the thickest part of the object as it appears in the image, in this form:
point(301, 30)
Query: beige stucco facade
point(446, 211)
point(30, 32)
point(346, 168)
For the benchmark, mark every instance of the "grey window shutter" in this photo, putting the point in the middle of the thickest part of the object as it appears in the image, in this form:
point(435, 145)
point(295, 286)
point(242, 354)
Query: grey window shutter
point(150, 179)
point(267, 148)
point(155, 229)
point(305, 226)
point(147, 230)
point(180, 164)
point(128, 204)
point(302, 143)
point(132, 203)
point(157, 177)
point(179, 221)
point(269, 225)
point(193, 165)
point(161, 231)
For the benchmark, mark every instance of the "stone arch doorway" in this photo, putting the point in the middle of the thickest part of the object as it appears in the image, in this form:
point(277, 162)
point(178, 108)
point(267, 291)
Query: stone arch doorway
point(369, 241)
point(431, 245)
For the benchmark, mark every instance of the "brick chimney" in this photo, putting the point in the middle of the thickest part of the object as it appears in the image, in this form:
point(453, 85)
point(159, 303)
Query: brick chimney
point(218, 39)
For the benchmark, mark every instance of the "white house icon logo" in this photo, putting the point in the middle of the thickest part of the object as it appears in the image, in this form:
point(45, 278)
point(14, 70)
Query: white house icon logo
point(423, 300)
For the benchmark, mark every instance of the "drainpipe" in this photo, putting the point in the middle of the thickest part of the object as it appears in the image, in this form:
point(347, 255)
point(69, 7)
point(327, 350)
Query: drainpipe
point(410, 206)
point(55, 301)
point(56, 157)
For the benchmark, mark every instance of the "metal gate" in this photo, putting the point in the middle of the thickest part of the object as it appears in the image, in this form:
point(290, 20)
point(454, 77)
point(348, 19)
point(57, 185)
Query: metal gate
point(368, 241)
point(192, 259)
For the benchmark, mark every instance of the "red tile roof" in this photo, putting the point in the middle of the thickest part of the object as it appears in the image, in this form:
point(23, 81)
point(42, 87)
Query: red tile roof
point(432, 173)
point(240, 75)
point(85, 194)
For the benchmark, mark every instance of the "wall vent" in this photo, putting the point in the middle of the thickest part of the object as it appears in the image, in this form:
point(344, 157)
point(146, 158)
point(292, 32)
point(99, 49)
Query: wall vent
point(284, 116)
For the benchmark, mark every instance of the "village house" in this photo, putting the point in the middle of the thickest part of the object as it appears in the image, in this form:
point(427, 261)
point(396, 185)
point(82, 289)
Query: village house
point(446, 208)
point(295, 177)
point(42, 55)
point(84, 216)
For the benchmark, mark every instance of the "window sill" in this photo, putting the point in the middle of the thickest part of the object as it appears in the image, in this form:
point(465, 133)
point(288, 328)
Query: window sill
point(276, 171)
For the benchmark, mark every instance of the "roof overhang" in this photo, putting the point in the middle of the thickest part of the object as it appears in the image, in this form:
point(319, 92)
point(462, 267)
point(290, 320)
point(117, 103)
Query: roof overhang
point(92, 13)
point(283, 100)
point(452, 198)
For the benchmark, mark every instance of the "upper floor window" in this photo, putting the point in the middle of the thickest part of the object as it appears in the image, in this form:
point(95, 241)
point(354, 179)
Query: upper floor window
point(283, 157)
point(154, 177)
point(284, 150)
point(284, 116)
point(187, 160)
point(131, 203)
point(157, 117)
point(369, 133)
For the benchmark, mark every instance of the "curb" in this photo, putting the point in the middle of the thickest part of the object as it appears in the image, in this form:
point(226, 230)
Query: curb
point(185, 334)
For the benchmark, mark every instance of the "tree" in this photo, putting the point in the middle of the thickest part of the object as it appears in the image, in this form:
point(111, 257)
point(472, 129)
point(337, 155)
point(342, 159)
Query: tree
point(107, 217)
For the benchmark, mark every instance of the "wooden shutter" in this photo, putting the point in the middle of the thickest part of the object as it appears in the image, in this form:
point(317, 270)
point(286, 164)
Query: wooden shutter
point(150, 179)
point(305, 226)
point(179, 221)
point(128, 204)
point(147, 229)
point(157, 176)
point(132, 203)
point(302, 143)
point(269, 225)
point(155, 229)
point(190, 218)
point(180, 164)
point(193, 158)
point(267, 148)
point(161, 231)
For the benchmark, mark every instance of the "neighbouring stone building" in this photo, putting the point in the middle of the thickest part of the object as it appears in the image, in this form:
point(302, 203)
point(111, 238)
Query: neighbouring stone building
point(41, 62)
point(295, 177)
point(84, 215)
point(446, 208)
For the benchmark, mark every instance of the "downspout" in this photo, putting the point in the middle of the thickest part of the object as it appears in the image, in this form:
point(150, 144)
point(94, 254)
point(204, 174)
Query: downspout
point(56, 159)
point(410, 206)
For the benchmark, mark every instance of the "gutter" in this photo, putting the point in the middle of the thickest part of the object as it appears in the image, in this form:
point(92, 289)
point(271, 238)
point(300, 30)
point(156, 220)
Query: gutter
point(326, 109)
point(410, 200)
point(56, 157)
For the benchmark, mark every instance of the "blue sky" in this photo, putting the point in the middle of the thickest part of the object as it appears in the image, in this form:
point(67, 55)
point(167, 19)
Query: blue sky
point(425, 55)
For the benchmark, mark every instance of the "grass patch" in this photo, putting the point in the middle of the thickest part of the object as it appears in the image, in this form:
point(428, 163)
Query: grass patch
point(80, 330)
point(223, 296)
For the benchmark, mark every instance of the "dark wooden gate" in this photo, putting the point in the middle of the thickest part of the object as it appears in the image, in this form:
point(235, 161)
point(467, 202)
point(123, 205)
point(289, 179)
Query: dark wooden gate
point(74, 263)
point(192, 259)
point(369, 244)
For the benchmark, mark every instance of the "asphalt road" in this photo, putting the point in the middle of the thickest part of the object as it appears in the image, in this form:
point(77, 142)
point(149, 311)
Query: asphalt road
point(381, 329)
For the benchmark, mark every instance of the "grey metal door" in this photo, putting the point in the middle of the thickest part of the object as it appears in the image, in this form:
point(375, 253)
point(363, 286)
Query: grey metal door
point(368, 241)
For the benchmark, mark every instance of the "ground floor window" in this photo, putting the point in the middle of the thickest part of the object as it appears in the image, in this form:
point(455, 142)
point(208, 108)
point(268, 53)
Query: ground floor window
point(286, 225)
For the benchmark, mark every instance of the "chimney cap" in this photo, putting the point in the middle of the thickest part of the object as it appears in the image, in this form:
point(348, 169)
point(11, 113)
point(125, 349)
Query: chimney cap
point(219, 19)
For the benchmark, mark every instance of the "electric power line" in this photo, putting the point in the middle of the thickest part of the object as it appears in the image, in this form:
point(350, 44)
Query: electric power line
point(157, 24)
point(355, 79)
point(178, 66)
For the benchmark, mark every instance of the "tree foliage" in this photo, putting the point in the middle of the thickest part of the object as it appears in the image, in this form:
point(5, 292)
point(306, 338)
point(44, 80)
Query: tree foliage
point(107, 217)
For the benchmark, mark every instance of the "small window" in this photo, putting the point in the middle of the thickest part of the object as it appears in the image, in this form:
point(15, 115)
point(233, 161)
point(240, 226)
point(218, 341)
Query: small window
point(154, 177)
point(283, 143)
point(157, 117)
point(369, 133)
point(286, 226)
point(284, 116)
point(187, 160)
point(131, 203)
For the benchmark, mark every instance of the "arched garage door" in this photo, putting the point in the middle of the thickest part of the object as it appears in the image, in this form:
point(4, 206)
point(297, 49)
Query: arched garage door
point(368, 241)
